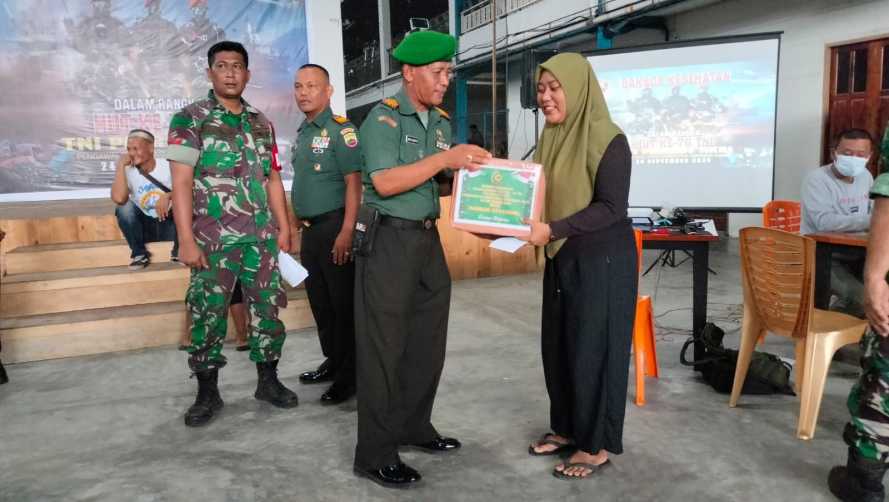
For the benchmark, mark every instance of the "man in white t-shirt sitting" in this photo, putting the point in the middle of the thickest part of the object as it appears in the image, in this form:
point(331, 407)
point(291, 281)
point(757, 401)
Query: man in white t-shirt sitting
point(141, 189)
point(836, 198)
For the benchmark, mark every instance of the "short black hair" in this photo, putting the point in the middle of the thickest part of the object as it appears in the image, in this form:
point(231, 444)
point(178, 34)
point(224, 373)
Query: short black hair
point(227, 46)
point(317, 67)
point(854, 134)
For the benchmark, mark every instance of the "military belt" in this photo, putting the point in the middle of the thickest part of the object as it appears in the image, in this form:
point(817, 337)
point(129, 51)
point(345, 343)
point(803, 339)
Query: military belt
point(323, 217)
point(395, 222)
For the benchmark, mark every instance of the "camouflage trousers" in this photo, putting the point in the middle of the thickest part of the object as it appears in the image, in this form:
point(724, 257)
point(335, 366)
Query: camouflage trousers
point(209, 293)
point(868, 432)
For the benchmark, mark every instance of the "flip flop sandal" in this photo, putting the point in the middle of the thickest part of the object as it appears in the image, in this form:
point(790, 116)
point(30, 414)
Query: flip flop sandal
point(592, 467)
point(545, 440)
point(182, 346)
point(243, 348)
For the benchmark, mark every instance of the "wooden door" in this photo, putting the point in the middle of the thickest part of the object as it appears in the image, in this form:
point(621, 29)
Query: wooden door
point(859, 94)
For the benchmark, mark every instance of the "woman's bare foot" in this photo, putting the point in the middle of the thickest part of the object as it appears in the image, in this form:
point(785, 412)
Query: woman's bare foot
point(542, 447)
point(582, 457)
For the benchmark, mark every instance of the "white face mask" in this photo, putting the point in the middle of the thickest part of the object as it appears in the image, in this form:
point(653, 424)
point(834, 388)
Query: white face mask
point(850, 166)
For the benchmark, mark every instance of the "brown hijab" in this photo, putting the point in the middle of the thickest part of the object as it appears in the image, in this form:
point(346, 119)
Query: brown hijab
point(570, 152)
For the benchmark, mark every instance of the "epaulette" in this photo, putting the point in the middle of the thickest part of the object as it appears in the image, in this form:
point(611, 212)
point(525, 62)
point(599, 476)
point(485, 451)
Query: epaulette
point(391, 103)
point(443, 113)
point(339, 119)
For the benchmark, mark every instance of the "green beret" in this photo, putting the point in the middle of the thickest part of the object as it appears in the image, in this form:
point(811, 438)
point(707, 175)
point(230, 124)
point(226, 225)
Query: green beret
point(424, 47)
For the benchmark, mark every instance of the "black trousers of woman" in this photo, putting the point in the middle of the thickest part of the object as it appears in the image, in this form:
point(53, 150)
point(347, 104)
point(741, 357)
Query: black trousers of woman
point(589, 302)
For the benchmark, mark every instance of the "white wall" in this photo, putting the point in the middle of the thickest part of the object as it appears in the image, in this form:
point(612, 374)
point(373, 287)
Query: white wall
point(325, 36)
point(520, 123)
point(377, 92)
point(810, 27)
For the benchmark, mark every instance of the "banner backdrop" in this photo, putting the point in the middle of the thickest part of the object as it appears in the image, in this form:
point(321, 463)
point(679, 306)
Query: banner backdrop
point(77, 75)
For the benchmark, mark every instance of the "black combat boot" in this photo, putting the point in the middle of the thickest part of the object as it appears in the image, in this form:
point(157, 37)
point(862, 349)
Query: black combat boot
point(208, 401)
point(3, 377)
point(270, 389)
point(861, 480)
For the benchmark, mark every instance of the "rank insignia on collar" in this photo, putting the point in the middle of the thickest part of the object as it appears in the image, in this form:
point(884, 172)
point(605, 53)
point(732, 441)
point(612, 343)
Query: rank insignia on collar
point(323, 132)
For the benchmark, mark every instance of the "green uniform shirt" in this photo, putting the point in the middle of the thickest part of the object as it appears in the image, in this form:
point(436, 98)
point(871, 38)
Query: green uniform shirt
point(232, 159)
point(392, 135)
point(325, 151)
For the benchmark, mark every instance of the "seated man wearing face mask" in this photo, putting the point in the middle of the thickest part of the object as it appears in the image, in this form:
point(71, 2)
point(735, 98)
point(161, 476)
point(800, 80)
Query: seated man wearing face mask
point(835, 199)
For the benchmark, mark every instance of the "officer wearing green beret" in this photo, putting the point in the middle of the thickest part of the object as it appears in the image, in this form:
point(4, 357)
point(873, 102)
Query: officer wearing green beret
point(326, 195)
point(402, 285)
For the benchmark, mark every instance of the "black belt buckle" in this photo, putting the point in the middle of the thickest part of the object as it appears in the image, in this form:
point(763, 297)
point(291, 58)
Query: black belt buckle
point(428, 224)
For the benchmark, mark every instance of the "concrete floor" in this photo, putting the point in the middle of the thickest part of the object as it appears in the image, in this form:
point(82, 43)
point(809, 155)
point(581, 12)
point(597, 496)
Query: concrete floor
point(110, 427)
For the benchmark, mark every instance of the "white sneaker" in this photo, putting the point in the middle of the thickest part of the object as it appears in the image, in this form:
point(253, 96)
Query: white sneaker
point(139, 262)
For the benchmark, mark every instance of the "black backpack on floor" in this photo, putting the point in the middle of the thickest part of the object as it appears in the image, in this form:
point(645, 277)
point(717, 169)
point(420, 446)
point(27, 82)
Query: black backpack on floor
point(768, 374)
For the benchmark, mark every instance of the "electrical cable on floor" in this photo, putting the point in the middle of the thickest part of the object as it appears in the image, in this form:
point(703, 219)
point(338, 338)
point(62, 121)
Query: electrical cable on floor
point(729, 319)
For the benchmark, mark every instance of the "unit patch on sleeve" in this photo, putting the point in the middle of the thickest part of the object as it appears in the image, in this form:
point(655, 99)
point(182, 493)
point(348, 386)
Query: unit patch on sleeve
point(350, 137)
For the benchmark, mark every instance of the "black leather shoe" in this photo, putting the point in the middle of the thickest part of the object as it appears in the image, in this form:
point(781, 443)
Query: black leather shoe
point(323, 374)
point(391, 476)
point(337, 394)
point(439, 444)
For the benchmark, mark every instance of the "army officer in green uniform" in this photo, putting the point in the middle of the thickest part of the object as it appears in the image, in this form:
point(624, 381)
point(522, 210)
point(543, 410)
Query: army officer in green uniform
point(326, 195)
point(402, 284)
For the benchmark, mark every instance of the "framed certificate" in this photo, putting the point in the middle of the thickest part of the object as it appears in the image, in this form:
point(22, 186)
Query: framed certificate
point(498, 197)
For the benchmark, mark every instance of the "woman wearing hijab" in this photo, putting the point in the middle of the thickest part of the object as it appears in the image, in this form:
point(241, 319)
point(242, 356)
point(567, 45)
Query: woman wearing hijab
point(590, 275)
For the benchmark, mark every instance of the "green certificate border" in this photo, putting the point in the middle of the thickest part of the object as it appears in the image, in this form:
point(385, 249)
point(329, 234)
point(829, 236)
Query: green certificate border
point(496, 196)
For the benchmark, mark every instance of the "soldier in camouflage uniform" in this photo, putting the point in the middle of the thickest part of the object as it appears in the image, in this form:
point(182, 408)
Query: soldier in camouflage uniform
point(231, 212)
point(867, 434)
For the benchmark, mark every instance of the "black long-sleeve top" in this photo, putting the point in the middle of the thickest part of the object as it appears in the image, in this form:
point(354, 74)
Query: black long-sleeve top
point(605, 219)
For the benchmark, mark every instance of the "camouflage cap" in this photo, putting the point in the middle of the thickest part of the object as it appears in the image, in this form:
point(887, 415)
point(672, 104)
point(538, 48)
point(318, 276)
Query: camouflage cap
point(424, 47)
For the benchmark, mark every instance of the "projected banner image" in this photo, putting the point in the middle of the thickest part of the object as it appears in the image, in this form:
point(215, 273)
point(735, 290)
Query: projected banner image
point(700, 121)
point(77, 75)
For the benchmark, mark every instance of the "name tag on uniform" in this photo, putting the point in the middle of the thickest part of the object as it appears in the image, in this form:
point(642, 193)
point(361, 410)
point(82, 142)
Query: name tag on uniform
point(320, 142)
point(441, 145)
point(413, 140)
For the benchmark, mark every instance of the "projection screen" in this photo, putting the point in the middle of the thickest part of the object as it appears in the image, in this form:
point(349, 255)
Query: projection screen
point(700, 119)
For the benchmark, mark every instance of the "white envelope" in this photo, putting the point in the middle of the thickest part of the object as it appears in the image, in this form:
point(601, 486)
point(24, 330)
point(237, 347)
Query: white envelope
point(291, 270)
point(507, 244)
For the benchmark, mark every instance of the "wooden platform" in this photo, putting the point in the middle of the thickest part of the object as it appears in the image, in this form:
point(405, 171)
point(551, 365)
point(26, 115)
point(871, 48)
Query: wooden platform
point(93, 331)
point(66, 289)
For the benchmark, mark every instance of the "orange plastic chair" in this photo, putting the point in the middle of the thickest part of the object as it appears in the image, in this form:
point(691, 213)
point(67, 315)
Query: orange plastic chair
point(777, 272)
point(782, 215)
point(645, 355)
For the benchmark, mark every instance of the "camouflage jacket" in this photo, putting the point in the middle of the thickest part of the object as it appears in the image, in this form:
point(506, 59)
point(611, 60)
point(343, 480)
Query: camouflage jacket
point(232, 159)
